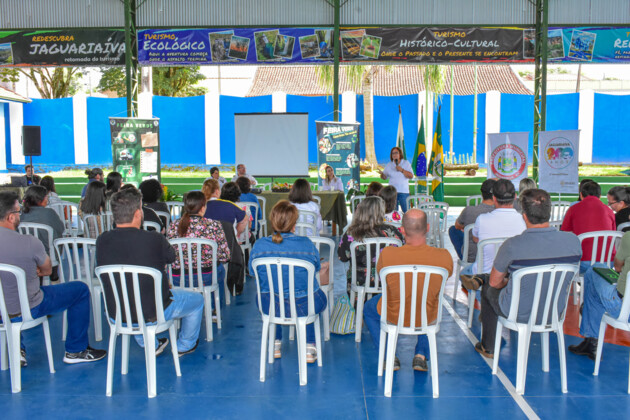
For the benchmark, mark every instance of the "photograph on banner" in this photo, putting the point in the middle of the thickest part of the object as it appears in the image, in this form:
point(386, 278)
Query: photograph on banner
point(507, 156)
point(136, 148)
point(338, 147)
point(558, 161)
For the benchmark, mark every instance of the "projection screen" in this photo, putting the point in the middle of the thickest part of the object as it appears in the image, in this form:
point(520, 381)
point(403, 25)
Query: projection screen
point(272, 144)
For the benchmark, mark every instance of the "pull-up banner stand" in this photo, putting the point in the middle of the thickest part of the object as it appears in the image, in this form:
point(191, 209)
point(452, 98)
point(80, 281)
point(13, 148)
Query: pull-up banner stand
point(136, 148)
point(558, 163)
point(338, 147)
point(507, 156)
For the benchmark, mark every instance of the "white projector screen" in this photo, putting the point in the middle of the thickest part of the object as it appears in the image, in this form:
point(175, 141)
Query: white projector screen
point(272, 144)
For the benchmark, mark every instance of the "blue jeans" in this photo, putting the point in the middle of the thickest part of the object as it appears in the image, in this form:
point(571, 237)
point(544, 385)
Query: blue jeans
point(373, 321)
point(599, 297)
point(402, 201)
point(301, 306)
point(207, 280)
point(187, 306)
point(457, 239)
point(74, 297)
point(585, 265)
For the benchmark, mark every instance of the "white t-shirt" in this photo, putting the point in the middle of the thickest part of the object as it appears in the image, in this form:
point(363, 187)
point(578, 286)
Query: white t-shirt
point(312, 207)
point(499, 223)
point(396, 178)
point(334, 185)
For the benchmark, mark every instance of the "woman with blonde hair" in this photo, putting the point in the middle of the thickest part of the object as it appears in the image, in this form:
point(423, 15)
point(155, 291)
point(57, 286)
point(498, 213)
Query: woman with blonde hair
point(330, 181)
point(285, 243)
point(367, 222)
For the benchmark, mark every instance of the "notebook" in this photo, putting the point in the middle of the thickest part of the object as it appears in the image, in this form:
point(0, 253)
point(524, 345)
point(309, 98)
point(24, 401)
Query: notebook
point(608, 274)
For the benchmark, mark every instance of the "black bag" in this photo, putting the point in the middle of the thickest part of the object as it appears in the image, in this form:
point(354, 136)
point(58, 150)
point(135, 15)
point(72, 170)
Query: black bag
point(236, 266)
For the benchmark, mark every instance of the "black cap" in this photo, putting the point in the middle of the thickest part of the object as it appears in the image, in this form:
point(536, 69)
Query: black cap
point(503, 190)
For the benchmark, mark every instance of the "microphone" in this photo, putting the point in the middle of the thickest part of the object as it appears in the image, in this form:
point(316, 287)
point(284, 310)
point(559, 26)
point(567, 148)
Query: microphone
point(396, 162)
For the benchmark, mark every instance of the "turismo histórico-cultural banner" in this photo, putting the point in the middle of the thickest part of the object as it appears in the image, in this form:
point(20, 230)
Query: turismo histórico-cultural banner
point(507, 156)
point(338, 147)
point(63, 47)
point(558, 161)
point(136, 148)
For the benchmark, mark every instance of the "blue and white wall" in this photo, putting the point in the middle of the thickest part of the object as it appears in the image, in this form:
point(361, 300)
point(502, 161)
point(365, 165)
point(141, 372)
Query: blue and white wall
point(200, 130)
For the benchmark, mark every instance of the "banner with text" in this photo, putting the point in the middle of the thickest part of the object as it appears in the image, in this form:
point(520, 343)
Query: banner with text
point(63, 47)
point(338, 145)
point(558, 162)
point(507, 156)
point(136, 148)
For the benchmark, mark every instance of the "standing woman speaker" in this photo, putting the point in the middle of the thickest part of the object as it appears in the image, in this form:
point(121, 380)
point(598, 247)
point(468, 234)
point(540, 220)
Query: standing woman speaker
point(398, 172)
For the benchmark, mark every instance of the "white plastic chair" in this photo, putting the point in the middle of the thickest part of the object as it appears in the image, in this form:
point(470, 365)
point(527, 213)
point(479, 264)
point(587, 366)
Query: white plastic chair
point(80, 255)
point(243, 241)
point(318, 200)
point(604, 243)
point(95, 224)
point(253, 210)
point(356, 200)
point(483, 247)
point(271, 319)
point(153, 225)
point(556, 224)
point(190, 249)
point(621, 323)
point(373, 248)
point(38, 230)
point(474, 200)
point(390, 332)
point(414, 201)
point(558, 278)
point(311, 218)
point(559, 209)
point(10, 330)
point(328, 289)
point(165, 217)
point(463, 262)
point(68, 212)
point(111, 276)
point(175, 208)
point(623, 226)
point(262, 223)
point(437, 218)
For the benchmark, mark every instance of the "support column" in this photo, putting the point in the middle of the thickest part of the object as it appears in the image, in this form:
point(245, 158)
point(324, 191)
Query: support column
point(337, 52)
point(212, 128)
point(278, 102)
point(3, 139)
point(131, 58)
point(349, 112)
point(16, 121)
point(540, 77)
point(145, 105)
point(493, 117)
point(586, 115)
point(79, 121)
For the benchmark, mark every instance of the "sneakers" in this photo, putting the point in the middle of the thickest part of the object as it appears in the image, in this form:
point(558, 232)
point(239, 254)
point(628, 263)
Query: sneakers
point(183, 353)
point(162, 343)
point(87, 355)
point(311, 353)
point(23, 358)
point(420, 364)
point(588, 347)
point(277, 349)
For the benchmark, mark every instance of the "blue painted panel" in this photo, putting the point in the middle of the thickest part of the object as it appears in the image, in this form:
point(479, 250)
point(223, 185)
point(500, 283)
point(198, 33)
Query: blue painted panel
point(361, 120)
point(7, 131)
point(229, 106)
point(182, 129)
point(386, 124)
point(562, 111)
point(99, 136)
point(481, 128)
point(610, 130)
point(517, 115)
point(55, 118)
point(319, 108)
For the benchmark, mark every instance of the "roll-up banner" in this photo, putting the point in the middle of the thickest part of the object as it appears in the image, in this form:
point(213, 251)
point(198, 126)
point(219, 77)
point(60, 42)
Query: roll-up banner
point(507, 156)
point(136, 148)
point(338, 147)
point(558, 161)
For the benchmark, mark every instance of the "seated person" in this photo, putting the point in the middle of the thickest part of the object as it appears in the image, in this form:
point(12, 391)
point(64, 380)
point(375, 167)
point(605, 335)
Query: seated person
point(48, 182)
point(469, 216)
point(247, 196)
point(93, 202)
point(599, 297)
point(415, 251)
point(94, 174)
point(30, 177)
point(214, 173)
point(331, 182)
point(524, 185)
point(28, 253)
point(152, 194)
point(114, 182)
point(192, 224)
point(221, 204)
point(129, 244)
point(367, 222)
point(373, 188)
point(241, 170)
point(284, 243)
point(389, 196)
point(149, 214)
point(301, 197)
point(619, 202)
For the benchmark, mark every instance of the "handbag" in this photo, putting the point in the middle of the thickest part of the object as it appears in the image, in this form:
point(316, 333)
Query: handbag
point(342, 318)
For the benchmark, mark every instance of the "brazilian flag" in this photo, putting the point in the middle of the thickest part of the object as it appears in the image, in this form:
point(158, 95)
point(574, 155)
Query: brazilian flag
point(420, 156)
point(436, 165)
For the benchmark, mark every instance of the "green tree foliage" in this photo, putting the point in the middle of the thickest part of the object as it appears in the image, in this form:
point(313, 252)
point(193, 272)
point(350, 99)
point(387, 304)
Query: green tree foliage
point(167, 81)
point(50, 82)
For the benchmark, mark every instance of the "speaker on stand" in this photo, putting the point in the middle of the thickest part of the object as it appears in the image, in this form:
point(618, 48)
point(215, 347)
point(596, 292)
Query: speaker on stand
point(31, 142)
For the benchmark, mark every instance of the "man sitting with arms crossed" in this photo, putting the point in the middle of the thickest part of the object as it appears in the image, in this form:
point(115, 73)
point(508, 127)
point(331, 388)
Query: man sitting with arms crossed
point(540, 244)
point(241, 170)
point(415, 251)
point(129, 244)
point(28, 253)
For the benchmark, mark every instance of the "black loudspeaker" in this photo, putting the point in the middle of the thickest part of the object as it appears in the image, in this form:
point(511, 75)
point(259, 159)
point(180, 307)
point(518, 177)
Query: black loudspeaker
point(31, 140)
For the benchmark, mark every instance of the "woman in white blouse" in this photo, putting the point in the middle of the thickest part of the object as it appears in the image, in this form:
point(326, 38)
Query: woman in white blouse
point(331, 182)
point(301, 197)
point(399, 172)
